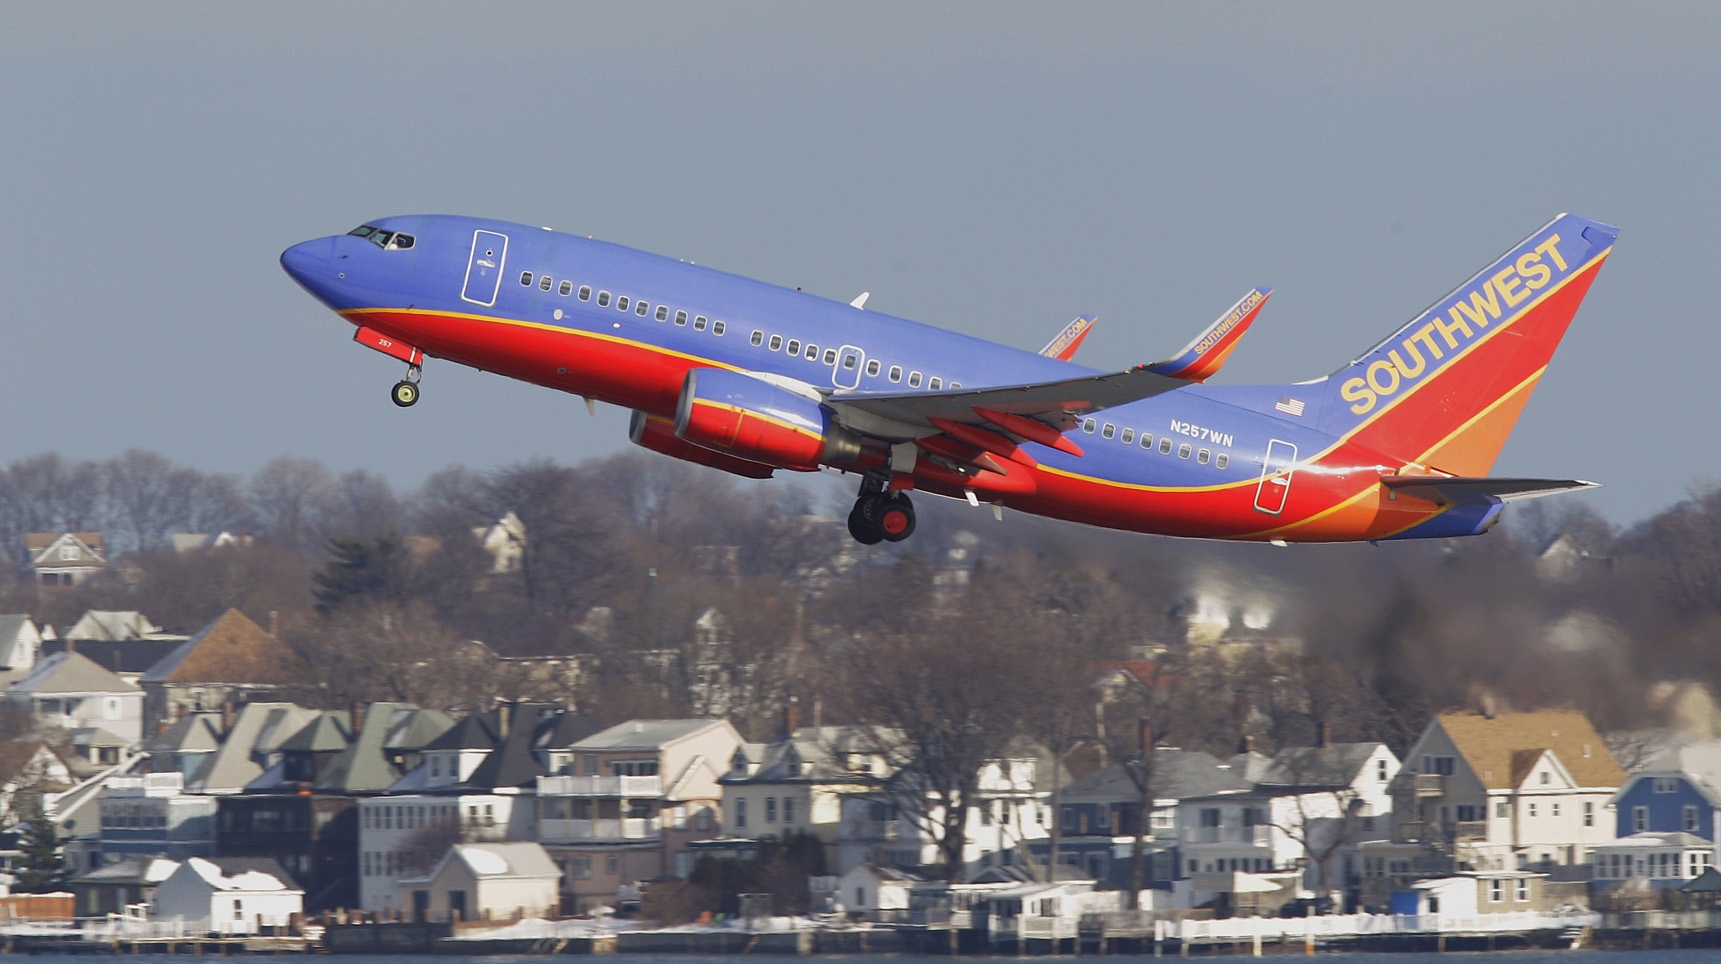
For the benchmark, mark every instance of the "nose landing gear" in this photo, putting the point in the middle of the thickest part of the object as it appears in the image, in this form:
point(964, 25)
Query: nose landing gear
point(405, 391)
point(880, 516)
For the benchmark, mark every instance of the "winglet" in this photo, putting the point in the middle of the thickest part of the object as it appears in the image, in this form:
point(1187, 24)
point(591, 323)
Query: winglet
point(1201, 359)
point(1064, 346)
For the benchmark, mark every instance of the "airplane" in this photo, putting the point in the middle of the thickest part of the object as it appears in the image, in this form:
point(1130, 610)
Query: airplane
point(750, 378)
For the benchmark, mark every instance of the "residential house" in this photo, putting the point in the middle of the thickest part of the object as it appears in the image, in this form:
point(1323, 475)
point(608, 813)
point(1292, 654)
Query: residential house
point(121, 886)
point(1679, 790)
point(1496, 791)
point(20, 644)
point(150, 814)
point(184, 542)
point(302, 811)
point(231, 660)
point(461, 792)
point(1663, 859)
point(111, 626)
point(485, 881)
point(895, 825)
point(228, 895)
point(61, 559)
point(1473, 893)
point(795, 783)
point(631, 801)
point(1098, 816)
point(35, 770)
point(1298, 826)
point(505, 541)
point(70, 692)
point(876, 892)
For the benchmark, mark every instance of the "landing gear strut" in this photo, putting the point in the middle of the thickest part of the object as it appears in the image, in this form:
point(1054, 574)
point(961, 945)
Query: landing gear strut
point(405, 391)
point(880, 515)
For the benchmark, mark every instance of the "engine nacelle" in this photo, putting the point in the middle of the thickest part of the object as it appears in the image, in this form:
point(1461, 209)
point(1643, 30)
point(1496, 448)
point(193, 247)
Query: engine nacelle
point(658, 434)
point(736, 414)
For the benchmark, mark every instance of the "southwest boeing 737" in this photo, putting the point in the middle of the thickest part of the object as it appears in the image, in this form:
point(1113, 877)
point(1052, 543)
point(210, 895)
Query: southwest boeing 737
point(749, 378)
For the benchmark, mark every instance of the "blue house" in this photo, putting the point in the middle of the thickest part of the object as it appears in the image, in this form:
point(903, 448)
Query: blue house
point(1678, 791)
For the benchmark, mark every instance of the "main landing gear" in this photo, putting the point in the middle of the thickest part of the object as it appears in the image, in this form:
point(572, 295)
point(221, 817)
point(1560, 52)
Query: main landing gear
point(880, 515)
point(405, 391)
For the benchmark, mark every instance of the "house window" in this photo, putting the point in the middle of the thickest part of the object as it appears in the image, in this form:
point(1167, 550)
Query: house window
point(1589, 813)
point(770, 809)
point(1441, 765)
point(580, 868)
point(611, 864)
point(591, 764)
point(1523, 894)
point(788, 809)
point(1502, 809)
point(1532, 808)
point(1666, 785)
point(1544, 778)
point(1690, 818)
point(1380, 770)
point(741, 813)
point(1639, 819)
point(68, 553)
point(1554, 809)
point(1496, 891)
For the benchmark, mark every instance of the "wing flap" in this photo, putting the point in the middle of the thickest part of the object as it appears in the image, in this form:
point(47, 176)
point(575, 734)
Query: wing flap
point(1060, 404)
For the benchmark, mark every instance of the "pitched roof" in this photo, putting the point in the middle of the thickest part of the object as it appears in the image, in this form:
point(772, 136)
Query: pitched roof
point(258, 730)
point(1177, 774)
point(1699, 762)
point(361, 765)
point(512, 763)
point(131, 870)
point(243, 878)
point(1331, 766)
point(232, 649)
point(110, 625)
point(644, 734)
point(500, 860)
point(11, 627)
point(478, 731)
point(1488, 745)
point(412, 728)
point(71, 673)
point(192, 733)
point(329, 732)
point(121, 656)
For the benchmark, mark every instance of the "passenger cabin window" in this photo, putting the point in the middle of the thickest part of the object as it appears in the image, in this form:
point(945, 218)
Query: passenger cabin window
point(935, 384)
point(1088, 426)
point(544, 283)
point(831, 357)
point(585, 292)
point(812, 353)
point(1128, 436)
point(663, 314)
point(913, 379)
point(955, 385)
point(1183, 450)
point(621, 303)
point(1222, 461)
point(849, 364)
point(758, 338)
point(641, 308)
point(681, 317)
point(1165, 446)
point(1109, 430)
point(565, 289)
point(871, 367)
point(1203, 456)
point(776, 343)
point(716, 326)
point(603, 299)
point(794, 347)
point(896, 373)
point(1147, 440)
point(526, 279)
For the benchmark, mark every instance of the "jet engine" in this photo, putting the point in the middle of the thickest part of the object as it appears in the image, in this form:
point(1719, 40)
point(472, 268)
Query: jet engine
point(737, 414)
point(658, 434)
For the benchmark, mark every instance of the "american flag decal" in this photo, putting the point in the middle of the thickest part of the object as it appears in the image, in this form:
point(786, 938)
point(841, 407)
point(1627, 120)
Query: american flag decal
point(1289, 405)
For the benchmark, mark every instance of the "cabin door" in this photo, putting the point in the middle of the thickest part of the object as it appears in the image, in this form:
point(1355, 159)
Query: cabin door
point(484, 268)
point(1275, 477)
point(847, 372)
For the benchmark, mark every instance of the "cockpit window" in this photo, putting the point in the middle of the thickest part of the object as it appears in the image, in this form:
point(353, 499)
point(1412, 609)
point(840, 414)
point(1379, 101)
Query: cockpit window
point(387, 240)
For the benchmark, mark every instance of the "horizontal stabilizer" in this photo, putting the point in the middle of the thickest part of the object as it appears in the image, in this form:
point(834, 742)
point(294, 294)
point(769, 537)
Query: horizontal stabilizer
point(1457, 491)
point(1201, 359)
point(1064, 346)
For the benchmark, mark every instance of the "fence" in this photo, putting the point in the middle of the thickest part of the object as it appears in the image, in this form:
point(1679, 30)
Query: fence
point(1362, 925)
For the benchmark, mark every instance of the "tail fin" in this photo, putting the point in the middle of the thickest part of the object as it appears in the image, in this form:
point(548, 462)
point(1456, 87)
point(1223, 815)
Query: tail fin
point(1202, 358)
point(1445, 390)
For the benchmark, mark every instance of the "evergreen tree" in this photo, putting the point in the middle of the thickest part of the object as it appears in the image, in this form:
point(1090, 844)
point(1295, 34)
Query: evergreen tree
point(41, 862)
point(370, 568)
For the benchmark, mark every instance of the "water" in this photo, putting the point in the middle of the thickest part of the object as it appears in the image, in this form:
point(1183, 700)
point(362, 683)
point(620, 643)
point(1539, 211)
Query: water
point(1710, 956)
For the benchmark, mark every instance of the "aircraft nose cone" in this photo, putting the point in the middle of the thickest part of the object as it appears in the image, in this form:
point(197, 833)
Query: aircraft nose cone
point(308, 262)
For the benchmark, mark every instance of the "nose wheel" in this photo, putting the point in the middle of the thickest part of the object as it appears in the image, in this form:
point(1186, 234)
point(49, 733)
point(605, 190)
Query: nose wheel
point(880, 516)
point(405, 392)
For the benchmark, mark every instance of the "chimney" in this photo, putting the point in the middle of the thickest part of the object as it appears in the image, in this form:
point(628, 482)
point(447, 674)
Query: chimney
point(1326, 734)
point(1245, 744)
point(1144, 729)
point(226, 717)
point(791, 717)
point(358, 715)
point(71, 645)
point(275, 623)
point(179, 711)
point(503, 719)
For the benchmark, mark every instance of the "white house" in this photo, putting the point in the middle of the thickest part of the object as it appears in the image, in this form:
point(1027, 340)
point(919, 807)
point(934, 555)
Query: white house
point(20, 643)
point(495, 881)
point(229, 895)
point(70, 691)
point(868, 889)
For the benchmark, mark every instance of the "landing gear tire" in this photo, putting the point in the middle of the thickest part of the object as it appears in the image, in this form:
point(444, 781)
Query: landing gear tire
point(404, 394)
point(865, 531)
point(894, 516)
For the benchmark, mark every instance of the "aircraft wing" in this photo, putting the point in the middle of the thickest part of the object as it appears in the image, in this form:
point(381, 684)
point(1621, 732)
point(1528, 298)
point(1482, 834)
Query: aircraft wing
point(1058, 405)
point(1461, 491)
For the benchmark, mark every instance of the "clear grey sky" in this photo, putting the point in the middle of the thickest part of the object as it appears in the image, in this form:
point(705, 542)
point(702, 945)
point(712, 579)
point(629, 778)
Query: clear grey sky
point(994, 168)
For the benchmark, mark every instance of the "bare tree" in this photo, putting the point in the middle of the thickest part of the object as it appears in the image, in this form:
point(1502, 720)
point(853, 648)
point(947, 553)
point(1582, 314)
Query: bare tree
point(289, 498)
